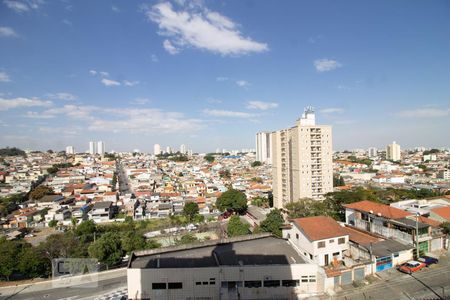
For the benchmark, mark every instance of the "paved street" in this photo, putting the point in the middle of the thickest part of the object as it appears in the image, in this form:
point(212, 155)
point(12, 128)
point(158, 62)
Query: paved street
point(109, 283)
point(430, 283)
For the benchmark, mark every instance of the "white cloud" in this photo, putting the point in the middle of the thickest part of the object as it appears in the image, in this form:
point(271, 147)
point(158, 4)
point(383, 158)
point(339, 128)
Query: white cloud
point(332, 110)
point(222, 78)
point(92, 72)
point(424, 113)
point(130, 83)
point(261, 105)
point(103, 73)
point(243, 83)
point(214, 101)
point(63, 96)
point(200, 28)
point(154, 58)
point(325, 65)
point(115, 9)
point(170, 48)
point(67, 22)
point(7, 32)
point(4, 77)
point(109, 82)
point(6, 104)
point(23, 6)
point(228, 113)
point(140, 101)
point(38, 115)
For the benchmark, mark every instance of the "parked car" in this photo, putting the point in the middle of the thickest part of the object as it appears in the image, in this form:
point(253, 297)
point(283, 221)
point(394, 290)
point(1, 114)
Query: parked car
point(428, 260)
point(411, 266)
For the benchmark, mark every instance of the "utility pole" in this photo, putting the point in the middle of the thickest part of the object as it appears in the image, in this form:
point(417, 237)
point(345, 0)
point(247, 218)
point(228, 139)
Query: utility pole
point(417, 235)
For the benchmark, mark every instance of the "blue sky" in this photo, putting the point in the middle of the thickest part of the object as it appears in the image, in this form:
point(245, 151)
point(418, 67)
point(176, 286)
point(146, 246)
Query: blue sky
point(211, 74)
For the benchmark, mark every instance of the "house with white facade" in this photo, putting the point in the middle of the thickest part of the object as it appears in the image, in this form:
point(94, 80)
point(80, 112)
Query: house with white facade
point(319, 239)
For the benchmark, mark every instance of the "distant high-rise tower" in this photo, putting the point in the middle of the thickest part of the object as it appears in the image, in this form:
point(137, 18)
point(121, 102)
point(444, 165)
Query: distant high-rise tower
point(372, 152)
point(393, 152)
point(92, 148)
point(183, 149)
point(70, 150)
point(168, 150)
point(263, 147)
point(302, 162)
point(101, 148)
point(157, 149)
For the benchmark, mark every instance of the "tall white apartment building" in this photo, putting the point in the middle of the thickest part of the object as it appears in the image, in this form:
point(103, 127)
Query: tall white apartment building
point(393, 152)
point(157, 149)
point(101, 148)
point(70, 150)
point(168, 149)
point(263, 147)
point(372, 152)
point(92, 148)
point(183, 149)
point(302, 163)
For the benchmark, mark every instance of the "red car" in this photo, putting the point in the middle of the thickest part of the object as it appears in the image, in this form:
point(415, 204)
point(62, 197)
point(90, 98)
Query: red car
point(411, 266)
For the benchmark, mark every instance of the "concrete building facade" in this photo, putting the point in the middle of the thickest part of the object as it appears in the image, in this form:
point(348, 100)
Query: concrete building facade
point(264, 147)
point(157, 149)
point(101, 148)
point(393, 152)
point(302, 162)
point(92, 148)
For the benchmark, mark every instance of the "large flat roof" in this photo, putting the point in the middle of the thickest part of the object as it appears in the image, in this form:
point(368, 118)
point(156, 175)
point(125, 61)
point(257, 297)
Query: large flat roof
point(249, 250)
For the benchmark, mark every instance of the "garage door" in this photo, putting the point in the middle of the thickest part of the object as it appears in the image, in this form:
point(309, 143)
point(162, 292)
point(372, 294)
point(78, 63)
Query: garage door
point(358, 274)
point(423, 247)
point(384, 263)
point(346, 278)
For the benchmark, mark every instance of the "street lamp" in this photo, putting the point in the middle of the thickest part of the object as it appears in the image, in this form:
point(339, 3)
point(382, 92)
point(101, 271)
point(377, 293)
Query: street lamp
point(417, 234)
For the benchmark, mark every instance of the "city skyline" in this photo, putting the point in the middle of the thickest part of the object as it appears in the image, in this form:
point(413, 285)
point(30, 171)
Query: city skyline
point(213, 74)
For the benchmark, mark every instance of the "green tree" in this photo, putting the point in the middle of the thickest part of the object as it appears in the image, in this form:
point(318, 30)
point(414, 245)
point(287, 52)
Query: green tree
point(40, 192)
point(187, 239)
point(225, 174)
point(256, 163)
point(273, 222)
point(445, 227)
point(209, 158)
point(233, 200)
point(236, 227)
point(190, 209)
point(107, 249)
point(32, 263)
point(9, 251)
point(260, 202)
point(52, 223)
point(132, 242)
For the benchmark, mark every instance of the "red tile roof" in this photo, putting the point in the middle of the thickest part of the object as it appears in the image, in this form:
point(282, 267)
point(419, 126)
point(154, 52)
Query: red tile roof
point(431, 222)
point(374, 208)
point(319, 228)
point(443, 212)
point(360, 237)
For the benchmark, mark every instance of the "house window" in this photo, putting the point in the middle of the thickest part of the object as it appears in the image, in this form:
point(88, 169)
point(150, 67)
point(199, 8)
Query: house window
point(304, 278)
point(331, 241)
point(336, 254)
point(296, 236)
point(159, 286)
point(198, 283)
point(341, 241)
point(175, 285)
point(321, 244)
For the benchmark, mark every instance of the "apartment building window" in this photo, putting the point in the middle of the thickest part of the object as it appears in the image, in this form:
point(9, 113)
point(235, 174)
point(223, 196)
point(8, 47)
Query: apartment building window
point(341, 241)
point(271, 283)
point(175, 285)
point(253, 284)
point(304, 278)
point(321, 244)
point(290, 283)
point(159, 285)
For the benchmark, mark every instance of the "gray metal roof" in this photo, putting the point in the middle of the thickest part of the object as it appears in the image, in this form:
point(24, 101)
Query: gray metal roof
point(259, 250)
point(387, 247)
